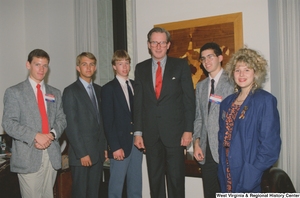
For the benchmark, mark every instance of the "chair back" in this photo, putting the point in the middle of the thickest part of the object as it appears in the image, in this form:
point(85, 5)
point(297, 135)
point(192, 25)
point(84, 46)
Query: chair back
point(275, 180)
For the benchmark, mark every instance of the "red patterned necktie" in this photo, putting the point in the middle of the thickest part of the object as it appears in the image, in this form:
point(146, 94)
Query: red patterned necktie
point(158, 81)
point(42, 108)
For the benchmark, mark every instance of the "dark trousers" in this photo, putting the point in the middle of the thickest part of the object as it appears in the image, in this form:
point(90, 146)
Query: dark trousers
point(210, 175)
point(166, 163)
point(86, 180)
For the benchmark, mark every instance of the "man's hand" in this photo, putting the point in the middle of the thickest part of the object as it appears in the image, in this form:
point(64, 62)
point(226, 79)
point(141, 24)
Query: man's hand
point(43, 141)
point(38, 146)
point(198, 154)
point(186, 138)
point(106, 155)
point(86, 161)
point(119, 154)
point(139, 142)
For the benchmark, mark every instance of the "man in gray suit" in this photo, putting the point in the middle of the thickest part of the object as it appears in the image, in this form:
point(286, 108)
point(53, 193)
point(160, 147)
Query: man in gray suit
point(35, 130)
point(209, 94)
point(85, 129)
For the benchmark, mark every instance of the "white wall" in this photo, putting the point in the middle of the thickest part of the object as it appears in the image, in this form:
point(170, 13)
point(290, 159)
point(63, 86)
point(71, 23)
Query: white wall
point(255, 29)
point(29, 24)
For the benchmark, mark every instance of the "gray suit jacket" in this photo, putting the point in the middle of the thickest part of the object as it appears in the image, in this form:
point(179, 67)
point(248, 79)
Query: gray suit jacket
point(85, 134)
point(208, 125)
point(21, 120)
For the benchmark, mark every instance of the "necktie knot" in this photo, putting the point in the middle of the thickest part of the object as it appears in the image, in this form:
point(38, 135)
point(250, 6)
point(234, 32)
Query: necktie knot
point(38, 86)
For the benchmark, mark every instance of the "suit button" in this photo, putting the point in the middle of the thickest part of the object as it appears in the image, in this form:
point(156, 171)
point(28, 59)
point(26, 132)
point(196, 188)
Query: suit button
point(131, 133)
point(131, 122)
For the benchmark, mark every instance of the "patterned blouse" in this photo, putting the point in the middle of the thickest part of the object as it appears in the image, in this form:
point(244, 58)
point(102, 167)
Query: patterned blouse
point(229, 122)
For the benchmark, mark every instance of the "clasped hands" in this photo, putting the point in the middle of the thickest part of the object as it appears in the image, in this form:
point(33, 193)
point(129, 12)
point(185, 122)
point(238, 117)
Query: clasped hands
point(43, 141)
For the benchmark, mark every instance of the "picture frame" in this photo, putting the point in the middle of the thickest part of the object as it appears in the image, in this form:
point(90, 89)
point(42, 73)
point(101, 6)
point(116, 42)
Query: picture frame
point(188, 36)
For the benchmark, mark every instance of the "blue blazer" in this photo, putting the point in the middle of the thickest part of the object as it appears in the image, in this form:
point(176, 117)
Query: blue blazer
point(118, 123)
point(255, 142)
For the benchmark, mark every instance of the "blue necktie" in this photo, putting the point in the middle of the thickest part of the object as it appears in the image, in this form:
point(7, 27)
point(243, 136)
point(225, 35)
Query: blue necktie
point(93, 99)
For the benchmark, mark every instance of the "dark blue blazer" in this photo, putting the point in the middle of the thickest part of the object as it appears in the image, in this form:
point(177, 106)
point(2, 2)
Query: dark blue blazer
point(255, 142)
point(117, 119)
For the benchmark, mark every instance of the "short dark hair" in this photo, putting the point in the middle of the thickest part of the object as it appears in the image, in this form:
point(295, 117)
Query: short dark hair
point(214, 46)
point(160, 30)
point(39, 53)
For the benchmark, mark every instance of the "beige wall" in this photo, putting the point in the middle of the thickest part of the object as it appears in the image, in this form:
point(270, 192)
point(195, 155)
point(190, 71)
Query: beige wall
point(29, 24)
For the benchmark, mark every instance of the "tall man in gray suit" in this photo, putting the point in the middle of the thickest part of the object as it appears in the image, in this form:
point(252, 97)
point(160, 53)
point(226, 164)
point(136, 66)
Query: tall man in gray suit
point(33, 116)
point(209, 94)
point(85, 129)
point(164, 112)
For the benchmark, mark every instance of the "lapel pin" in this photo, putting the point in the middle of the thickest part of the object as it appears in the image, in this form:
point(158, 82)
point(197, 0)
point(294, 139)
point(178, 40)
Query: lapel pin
point(242, 116)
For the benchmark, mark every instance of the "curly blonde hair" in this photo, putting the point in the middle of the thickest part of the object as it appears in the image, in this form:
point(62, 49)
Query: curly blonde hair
point(254, 60)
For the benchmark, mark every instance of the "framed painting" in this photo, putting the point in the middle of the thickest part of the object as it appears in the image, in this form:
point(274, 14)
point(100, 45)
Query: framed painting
point(188, 36)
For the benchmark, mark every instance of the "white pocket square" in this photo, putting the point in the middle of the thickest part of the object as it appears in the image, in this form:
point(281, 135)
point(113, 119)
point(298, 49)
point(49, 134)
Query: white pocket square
point(173, 78)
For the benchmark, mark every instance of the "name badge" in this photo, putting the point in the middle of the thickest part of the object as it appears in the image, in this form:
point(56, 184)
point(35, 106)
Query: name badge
point(215, 98)
point(49, 98)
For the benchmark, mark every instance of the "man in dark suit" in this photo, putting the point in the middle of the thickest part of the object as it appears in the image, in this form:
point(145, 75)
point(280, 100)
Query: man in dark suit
point(85, 129)
point(209, 94)
point(164, 111)
point(33, 116)
point(117, 107)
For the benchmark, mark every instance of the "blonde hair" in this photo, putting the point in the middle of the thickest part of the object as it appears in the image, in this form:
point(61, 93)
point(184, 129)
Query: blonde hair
point(120, 55)
point(85, 54)
point(254, 60)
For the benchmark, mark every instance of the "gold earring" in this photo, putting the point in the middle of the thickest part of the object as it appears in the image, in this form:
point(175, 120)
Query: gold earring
point(255, 85)
point(236, 88)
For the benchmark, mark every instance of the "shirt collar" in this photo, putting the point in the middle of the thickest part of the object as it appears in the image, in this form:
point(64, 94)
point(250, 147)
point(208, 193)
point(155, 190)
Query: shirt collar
point(162, 62)
point(121, 79)
point(33, 83)
point(85, 84)
point(217, 77)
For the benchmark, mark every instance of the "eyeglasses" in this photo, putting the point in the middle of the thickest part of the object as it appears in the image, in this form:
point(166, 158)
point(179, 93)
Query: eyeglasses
point(208, 57)
point(155, 43)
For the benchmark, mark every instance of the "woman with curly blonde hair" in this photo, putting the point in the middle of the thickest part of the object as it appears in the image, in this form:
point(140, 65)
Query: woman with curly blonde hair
point(249, 134)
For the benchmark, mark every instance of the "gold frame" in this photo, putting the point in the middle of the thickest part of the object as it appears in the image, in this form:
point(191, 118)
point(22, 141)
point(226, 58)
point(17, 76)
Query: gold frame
point(188, 36)
point(235, 18)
